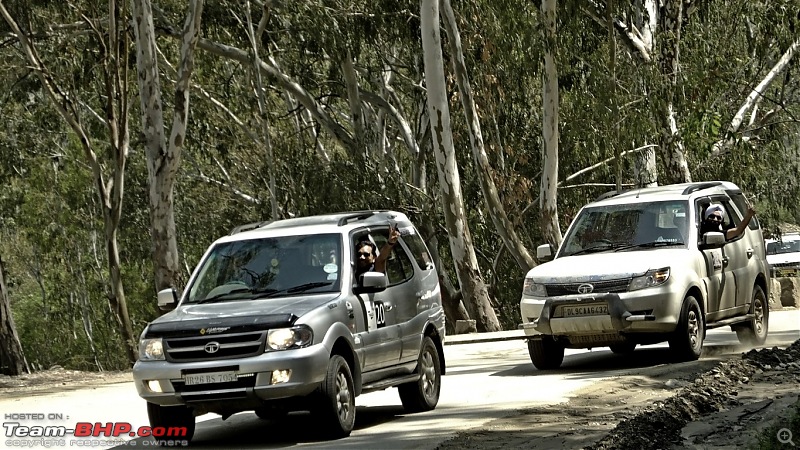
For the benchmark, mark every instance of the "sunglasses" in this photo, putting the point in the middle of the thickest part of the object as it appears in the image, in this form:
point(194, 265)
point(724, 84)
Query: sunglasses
point(715, 218)
point(364, 254)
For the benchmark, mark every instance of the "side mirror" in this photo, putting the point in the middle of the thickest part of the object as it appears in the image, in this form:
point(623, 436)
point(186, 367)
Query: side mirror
point(712, 239)
point(371, 282)
point(167, 299)
point(544, 252)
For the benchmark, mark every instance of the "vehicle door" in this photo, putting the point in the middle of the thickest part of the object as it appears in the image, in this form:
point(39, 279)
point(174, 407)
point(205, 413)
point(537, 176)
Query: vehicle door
point(415, 283)
point(721, 279)
point(750, 251)
point(381, 340)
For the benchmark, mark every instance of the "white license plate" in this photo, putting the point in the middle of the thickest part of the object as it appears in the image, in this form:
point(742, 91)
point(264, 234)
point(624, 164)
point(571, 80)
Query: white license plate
point(584, 310)
point(209, 378)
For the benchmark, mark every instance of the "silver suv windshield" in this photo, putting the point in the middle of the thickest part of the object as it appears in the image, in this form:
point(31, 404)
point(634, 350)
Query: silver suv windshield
point(269, 267)
point(628, 226)
point(786, 246)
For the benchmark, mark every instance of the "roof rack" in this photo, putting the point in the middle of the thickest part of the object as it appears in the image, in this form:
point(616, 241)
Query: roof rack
point(700, 186)
point(361, 215)
point(250, 226)
point(608, 194)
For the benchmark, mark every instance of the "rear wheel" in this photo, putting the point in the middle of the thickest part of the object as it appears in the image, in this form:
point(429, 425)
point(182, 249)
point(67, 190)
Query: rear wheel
point(423, 394)
point(336, 407)
point(686, 342)
point(172, 417)
point(546, 353)
point(754, 332)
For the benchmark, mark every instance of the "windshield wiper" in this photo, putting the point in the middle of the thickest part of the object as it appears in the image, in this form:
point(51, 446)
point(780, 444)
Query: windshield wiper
point(220, 297)
point(295, 289)
point(650, 245)
point(597, 248)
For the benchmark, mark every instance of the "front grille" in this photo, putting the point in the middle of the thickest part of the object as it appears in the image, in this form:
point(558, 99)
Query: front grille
point(243, 381)
point(788, 264)
point(227, 346)
point(599, 287)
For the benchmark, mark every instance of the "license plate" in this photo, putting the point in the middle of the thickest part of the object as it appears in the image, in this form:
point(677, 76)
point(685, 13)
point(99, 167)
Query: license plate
point(209, 378)
point(584, 310)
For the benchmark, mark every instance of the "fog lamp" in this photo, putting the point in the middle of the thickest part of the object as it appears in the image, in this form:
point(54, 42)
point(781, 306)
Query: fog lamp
point(281, 376)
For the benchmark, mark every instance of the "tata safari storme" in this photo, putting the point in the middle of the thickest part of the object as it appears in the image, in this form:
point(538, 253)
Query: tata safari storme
point(273, 320)
point(633, 269)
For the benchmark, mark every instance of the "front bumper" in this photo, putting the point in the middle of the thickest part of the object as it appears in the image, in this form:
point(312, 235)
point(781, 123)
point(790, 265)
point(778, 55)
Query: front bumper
point(252, 388)
point(652, 310)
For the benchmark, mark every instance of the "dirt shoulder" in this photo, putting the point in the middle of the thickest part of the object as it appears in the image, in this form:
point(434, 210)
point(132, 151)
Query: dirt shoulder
point(715, 403)
point(57, 379)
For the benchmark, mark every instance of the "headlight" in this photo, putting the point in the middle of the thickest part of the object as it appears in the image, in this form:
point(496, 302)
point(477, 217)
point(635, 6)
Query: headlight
point(533, 289)
point(151, 350)
point(286, 338)
point(651, 278)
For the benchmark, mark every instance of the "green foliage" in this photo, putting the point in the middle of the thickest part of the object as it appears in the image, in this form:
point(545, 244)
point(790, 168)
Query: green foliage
point(50, 220)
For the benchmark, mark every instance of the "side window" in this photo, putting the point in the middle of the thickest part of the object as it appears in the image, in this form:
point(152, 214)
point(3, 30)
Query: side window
point(741, 205)
point(418, 249)
point(398, 267)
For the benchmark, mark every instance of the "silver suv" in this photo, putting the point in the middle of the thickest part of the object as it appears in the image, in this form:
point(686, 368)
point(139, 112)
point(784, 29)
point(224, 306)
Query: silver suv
point(633, 269)
point(272, 320)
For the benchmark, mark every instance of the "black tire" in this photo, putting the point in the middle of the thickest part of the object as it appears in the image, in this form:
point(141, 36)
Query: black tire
point(335, 407)
point(423, 394)
point(170, 417)
point(686, 342)
point(546, 353)
point(755, 331)
point(623, 348)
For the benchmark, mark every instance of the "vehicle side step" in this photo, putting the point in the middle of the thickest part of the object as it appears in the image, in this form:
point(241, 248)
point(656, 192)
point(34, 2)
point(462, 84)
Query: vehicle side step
point(731, 321)
point(390, 382)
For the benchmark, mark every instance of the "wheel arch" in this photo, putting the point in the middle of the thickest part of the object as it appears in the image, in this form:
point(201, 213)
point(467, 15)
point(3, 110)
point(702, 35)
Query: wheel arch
point(343, 348)
point(433, 333)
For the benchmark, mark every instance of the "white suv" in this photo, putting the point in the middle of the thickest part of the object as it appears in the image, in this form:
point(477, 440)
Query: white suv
point(783, 255)
point(634, 269)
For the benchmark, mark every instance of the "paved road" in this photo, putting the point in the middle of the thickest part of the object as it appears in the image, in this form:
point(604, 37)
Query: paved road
point(489, 376)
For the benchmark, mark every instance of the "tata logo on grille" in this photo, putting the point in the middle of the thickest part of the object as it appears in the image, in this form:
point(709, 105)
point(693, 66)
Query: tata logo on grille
point(212, 347)
point(585, 288)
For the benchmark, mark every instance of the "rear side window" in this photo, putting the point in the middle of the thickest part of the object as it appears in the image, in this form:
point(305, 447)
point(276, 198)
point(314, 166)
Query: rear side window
point(741, 205)
point(418, 249)
point(398, 267)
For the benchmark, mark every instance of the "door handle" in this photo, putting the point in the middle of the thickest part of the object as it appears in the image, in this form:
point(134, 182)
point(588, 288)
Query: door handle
point(749, 252)
point(725, 261)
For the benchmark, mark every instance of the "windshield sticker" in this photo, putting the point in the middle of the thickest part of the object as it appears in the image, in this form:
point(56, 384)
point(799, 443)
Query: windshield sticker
point(330, 268)
point(333, 276)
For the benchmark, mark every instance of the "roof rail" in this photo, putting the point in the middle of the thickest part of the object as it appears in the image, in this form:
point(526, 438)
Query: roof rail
point(361, 215)
point(250, 226)
point(608, 194)
point(700, 186)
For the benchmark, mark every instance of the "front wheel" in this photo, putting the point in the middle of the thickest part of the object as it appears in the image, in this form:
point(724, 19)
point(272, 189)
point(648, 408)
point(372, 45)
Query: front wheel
point(686, 342)
point(546, 353)
point(177, 419)
point(754, 332)
point(336, 404)
point(423, 394)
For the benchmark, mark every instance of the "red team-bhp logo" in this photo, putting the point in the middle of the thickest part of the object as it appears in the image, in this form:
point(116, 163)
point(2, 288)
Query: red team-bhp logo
point(97, 429)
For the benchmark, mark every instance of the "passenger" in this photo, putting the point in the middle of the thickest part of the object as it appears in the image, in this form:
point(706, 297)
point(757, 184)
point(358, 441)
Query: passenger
point(715, 216)
point(368, 261)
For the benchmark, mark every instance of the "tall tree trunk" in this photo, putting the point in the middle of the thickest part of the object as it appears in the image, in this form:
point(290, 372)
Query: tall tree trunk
point(672, 151)
point(503, 226)
point(12, 359)
point(164, 157)
point(548, 191)
point(475, 293)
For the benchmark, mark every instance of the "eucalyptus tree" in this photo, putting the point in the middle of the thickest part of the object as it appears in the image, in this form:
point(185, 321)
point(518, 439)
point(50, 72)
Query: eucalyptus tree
point(469, 276)
point(164, 155)
point(12, 358)
point(112, 44)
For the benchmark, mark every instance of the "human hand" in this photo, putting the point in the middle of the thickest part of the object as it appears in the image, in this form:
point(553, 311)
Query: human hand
point(394, 234)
